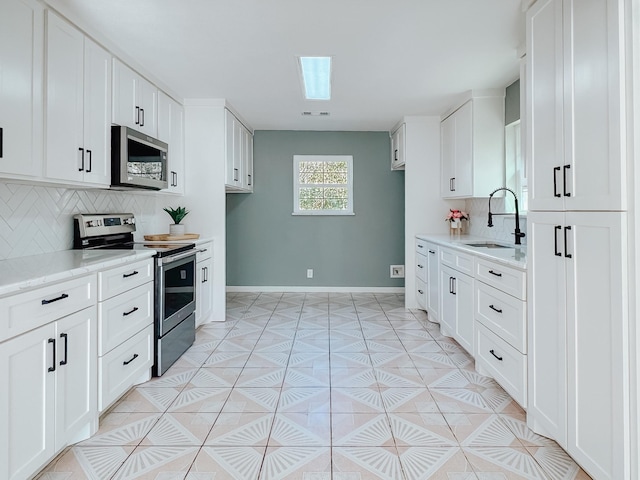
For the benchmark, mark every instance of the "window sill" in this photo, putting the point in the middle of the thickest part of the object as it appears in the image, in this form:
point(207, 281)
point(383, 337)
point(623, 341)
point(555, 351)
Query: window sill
point(324, 214)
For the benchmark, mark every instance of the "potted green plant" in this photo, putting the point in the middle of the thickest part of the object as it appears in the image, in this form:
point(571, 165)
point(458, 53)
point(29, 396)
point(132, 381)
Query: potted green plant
point(177, 214)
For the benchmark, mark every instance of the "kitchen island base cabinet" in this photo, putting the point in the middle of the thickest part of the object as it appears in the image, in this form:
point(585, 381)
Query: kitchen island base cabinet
point(49, 400)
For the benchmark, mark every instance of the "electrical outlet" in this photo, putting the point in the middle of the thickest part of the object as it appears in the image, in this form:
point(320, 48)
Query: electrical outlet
point(396, 271)
point(309, 272)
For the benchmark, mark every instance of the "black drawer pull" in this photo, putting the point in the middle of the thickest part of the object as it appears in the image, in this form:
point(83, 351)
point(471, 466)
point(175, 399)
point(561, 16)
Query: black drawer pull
point(127, 275)
point(432, 252)
point(125, 314)
point(420, 266)
point(495, 309)
point(494, 354)
point(420, 292)
point(420, 246)
point(135, 355)
point(495, 273)
point(66, 348)
point(61, 297)
point(53, 367)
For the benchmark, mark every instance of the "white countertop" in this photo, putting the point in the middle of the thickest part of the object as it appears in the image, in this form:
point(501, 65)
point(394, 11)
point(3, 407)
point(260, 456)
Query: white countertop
point(27, 272)
point(515, 256)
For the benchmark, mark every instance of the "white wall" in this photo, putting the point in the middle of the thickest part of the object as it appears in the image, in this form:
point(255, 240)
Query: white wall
point(204, 187)
point(425, 210)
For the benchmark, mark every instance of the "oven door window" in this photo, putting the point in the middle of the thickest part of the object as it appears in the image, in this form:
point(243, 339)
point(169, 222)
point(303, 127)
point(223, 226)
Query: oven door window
point(145, 161)
point(179, 286)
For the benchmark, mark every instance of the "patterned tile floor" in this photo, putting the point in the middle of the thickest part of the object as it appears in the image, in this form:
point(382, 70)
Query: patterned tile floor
point(317, 387)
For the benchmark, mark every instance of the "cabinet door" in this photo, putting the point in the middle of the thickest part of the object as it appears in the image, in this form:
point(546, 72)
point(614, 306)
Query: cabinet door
point(65, 153)
point(21, 57)
point(597, 340)
point(147, 96)
point(27, 402)
point(447, 302)
point(77, 376)
point(593, 123)
point(232, 170)
point(447, 156)
point(544, 106)
point(247, 160)
point(125, 110)
point(547, 337)
point(204, 294)
point(171, 131)
point(463, 171)
point(398, 148)
point(463, 291)
point(97, 113)
point(433, 283)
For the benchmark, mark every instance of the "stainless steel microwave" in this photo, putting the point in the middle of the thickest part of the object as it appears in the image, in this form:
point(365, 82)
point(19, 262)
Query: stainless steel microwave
point(137, 160)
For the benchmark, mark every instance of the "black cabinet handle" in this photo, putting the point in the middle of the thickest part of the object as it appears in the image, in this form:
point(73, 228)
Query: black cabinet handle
point(494, 354)
point(452, 285)
point(566, 254)
point(420, 246)
point(454, 183)
point(420, 292)
point(495, 309)
point(564, 180)
point(1, 141)
point(126, 314)
point(395, 155)
point(432, 252)
point(66, 349)
point(53, 364)
point(81, 159)
point(127, 362)
point(556, 229)
point(61, 297)
point(142, 121)
point(89, 161)
point(249, 175)
point(555, 186)
point(235, 177)
point(420, 266)
point(137, 115)
point(127, 275)
point(495, 273)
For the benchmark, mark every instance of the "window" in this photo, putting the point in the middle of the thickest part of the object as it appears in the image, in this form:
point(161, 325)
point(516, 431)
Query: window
point(323, 185)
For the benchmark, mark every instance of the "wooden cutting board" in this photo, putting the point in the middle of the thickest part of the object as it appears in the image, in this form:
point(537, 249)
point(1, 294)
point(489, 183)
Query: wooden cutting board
point(162, 237)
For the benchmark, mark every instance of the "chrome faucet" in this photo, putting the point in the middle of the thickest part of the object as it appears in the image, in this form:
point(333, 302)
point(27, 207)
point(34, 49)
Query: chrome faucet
point(518, 234)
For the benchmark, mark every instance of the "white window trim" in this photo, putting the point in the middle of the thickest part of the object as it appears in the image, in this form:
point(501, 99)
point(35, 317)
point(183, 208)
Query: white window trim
point(322, 158)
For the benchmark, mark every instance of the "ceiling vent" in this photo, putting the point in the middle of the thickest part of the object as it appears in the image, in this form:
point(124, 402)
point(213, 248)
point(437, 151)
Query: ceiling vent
point(315, 114)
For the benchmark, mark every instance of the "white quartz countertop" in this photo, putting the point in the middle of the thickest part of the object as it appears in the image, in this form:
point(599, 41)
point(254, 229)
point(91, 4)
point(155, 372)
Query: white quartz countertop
point(514, 256)
point(27, 272)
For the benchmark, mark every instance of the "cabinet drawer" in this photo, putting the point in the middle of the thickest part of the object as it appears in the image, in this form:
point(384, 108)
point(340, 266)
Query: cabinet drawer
point(457, 260)
point(421, 246)
point(421, 293)
point(123, 366)
point(503, 314)
point(204, 251)
point(118, 280)
point(421, 267)
point(498, 359)
point(122, 316)
point(507, 279)
point(24, 311)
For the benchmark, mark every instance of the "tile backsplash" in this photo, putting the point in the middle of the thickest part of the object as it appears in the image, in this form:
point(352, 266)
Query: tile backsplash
point(39, 219)
point(503, 225)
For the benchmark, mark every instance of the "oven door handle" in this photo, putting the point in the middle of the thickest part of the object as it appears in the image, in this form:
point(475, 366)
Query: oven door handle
point(178, 256)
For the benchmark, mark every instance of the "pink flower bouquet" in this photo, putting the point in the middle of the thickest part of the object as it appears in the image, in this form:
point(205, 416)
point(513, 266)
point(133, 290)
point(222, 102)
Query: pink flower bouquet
point(456, 215)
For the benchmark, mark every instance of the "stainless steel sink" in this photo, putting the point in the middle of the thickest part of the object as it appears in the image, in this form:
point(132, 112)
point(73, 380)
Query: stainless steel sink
point(487, 245)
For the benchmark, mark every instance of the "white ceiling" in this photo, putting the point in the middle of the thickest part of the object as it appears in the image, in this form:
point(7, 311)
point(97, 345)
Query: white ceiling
point(391, 58)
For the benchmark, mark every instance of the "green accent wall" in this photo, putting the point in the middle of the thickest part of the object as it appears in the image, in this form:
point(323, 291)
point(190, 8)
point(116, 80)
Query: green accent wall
point(512, 103)
point(268, 246)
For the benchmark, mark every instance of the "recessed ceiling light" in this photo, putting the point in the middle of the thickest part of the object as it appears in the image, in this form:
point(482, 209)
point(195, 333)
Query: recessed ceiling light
point(316, 77)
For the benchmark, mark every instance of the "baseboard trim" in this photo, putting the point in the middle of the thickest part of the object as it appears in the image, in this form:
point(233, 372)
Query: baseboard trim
point(289, 289)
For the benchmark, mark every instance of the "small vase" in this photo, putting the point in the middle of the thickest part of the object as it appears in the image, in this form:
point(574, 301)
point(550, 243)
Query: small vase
point(176, 229)
point(455, 226)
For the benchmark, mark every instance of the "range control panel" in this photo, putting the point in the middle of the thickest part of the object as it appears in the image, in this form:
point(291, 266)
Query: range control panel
point(92, 225)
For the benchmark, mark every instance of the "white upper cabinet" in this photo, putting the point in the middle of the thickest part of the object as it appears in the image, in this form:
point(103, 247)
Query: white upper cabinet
point(21, 77)
point(398, 148)
point(78, 116)
point(574, 96)
point(135, 100)
point(472, 153)
point(171, 131)
point(239, 155)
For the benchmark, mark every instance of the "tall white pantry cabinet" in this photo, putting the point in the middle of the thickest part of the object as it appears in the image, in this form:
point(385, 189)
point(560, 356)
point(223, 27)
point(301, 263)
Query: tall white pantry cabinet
point(579, 362)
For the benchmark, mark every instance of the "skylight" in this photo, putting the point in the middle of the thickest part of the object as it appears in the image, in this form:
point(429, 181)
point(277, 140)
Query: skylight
point(316, 77)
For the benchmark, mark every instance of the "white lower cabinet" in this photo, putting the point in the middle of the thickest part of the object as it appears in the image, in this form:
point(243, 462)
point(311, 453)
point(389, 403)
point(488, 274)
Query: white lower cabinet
point(204, 273)
point(578, 337)
point(456, 317)
point(49, 399)
point(433, 282)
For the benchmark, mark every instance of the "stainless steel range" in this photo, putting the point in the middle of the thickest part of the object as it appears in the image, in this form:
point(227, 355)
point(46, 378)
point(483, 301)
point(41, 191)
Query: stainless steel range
point(175, 291)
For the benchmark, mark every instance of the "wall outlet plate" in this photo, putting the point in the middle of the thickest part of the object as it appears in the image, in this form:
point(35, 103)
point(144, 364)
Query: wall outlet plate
point(396, 271)
point(309, 272)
